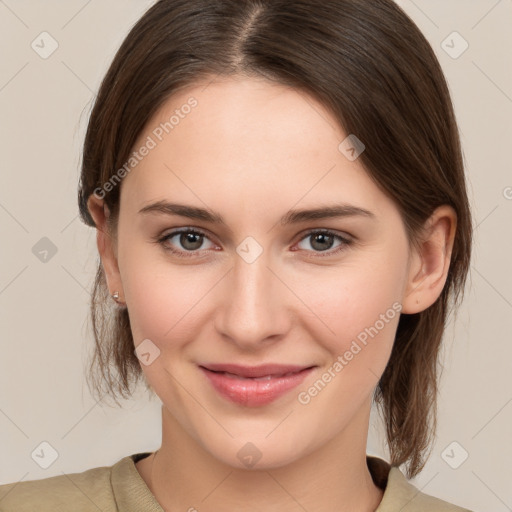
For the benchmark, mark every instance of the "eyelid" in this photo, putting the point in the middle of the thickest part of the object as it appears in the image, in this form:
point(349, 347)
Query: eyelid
point(345, 238)
point(187, 229)
point(346, 241)
point(334, 232)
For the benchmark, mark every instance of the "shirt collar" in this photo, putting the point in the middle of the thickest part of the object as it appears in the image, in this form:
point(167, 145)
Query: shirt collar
point(132, 494)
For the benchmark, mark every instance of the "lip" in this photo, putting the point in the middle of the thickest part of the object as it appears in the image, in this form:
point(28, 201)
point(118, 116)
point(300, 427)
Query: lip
point(256, 371)
point(250, 386)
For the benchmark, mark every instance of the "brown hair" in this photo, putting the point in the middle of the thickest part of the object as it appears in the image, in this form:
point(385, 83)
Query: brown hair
point(371, 66)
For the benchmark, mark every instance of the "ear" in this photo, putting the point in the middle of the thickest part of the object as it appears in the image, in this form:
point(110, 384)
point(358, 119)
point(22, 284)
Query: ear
point(428, 266)
point(106, 245)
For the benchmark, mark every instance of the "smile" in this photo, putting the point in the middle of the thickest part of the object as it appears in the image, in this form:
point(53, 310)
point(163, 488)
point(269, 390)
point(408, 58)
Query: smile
point(255, 386)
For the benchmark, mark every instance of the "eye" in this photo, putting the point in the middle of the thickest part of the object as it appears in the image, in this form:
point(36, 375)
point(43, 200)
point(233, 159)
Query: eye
point(323, 240)
point(192, 242)
point(190, 239)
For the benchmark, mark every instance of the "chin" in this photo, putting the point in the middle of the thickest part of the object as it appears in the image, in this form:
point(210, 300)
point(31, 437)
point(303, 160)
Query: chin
point(258, 453)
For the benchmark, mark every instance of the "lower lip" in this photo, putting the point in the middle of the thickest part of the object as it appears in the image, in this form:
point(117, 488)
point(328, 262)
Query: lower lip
point(252, 393)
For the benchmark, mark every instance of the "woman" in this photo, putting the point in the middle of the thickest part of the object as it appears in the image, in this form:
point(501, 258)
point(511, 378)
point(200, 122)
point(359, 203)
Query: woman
point(282, 219)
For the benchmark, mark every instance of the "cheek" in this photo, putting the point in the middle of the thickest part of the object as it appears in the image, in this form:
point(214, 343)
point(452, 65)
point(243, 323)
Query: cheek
point(167, 300)
point(359, 308)
point(164, 299)
point(363, 310)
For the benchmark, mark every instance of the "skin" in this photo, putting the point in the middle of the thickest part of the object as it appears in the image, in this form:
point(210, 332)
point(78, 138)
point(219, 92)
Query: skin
point(252, 150)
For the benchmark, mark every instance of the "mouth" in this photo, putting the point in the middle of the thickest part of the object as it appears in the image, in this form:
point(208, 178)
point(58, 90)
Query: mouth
point(254, 386)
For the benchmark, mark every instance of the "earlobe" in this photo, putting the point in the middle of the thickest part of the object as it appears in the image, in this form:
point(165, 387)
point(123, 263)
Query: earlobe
point(100, 212)
point(430, 263)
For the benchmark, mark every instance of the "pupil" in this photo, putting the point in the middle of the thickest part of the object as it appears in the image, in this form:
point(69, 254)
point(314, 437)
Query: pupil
point(322, 237)
point(192, 238)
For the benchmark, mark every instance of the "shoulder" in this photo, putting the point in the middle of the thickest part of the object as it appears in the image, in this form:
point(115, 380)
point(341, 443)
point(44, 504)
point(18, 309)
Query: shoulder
point(400, 494)
point(404, 495)
point(90, 490)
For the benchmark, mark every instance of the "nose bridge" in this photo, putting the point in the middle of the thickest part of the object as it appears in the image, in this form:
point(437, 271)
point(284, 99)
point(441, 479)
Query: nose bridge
point(253, 306)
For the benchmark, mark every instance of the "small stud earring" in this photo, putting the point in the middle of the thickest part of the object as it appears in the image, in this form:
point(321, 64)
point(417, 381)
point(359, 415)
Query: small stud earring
point(115, 296)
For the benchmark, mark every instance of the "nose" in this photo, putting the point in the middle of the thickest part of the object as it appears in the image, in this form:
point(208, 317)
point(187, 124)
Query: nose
point(254, 305)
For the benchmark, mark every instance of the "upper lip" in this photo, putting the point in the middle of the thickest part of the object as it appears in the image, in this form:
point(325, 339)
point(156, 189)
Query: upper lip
point(255, 371)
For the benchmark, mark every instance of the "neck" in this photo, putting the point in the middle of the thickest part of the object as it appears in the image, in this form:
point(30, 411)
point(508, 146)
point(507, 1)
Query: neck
point(184, 476)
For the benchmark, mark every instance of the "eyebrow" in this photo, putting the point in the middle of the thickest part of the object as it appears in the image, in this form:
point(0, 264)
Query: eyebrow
point(291, 217)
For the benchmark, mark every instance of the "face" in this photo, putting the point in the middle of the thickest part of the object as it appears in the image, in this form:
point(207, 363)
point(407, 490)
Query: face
point(252, 290)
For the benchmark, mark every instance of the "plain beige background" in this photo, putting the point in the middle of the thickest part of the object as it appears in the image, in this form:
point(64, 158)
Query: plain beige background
point(44, 105)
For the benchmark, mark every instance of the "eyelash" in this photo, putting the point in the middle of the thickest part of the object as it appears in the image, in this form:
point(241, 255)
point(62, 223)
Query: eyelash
point(192, 254)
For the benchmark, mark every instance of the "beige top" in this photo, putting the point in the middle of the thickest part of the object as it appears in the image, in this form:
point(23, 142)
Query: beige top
point(120, 488)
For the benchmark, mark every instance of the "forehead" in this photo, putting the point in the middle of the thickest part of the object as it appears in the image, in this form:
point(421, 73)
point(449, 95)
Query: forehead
point(250, 142)
point(246, 117)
